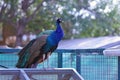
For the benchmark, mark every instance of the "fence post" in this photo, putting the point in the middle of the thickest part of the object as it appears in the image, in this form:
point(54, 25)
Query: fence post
point(118, 67)
point(60, 60)
point(78, 62)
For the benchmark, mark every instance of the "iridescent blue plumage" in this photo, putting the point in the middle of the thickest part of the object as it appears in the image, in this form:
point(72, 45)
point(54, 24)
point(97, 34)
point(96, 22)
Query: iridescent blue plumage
point(57, 35)
point(54, 38)
point(39, 49)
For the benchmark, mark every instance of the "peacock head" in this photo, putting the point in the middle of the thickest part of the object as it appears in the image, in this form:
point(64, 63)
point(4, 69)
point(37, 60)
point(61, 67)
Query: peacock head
point(59, 20)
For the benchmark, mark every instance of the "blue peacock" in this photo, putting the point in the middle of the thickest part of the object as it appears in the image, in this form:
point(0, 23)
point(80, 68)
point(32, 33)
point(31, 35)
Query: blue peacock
point(39, 49)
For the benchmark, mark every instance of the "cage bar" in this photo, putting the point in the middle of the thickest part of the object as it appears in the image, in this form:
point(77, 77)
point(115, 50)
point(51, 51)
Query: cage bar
point(40, 74)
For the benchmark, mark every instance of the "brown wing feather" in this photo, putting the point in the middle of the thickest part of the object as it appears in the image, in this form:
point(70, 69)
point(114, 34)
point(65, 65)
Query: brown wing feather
point(22, 52)
point(48, 54)
point(35, 48)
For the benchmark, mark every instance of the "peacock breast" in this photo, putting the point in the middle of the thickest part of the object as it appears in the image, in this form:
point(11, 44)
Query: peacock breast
point(49, 45)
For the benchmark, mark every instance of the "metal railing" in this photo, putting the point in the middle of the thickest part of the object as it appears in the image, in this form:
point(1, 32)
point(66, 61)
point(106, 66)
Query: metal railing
point(90, 63)
point(39, 74)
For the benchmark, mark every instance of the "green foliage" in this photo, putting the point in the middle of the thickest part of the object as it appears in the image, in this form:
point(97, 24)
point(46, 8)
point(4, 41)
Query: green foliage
point(104, 23)
point(81, 18)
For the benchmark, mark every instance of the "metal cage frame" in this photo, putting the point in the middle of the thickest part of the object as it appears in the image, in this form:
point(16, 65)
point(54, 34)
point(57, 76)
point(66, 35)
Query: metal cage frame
point(26, 74)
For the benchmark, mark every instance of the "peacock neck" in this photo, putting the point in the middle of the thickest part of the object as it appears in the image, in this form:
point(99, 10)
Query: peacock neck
point(57, 35)
point(59, 28)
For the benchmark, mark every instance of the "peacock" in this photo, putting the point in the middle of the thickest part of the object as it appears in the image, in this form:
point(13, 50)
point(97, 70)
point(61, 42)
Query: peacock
point(39, 49)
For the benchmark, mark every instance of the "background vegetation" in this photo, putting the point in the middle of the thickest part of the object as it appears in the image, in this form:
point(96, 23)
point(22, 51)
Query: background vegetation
point(82, 18)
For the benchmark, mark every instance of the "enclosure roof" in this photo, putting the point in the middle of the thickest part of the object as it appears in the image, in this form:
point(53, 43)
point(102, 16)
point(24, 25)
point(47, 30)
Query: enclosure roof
point(90, 43)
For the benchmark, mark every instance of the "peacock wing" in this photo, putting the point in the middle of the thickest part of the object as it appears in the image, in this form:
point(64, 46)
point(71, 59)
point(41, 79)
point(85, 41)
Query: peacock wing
point(48, 53)
point(23, 51)
point(23, 54)
point(36, 47)
point(30, 51)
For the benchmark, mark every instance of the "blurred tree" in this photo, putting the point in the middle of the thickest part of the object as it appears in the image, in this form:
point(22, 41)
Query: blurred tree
point(18, 13)
point(82, 18)
point(85, 18)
